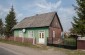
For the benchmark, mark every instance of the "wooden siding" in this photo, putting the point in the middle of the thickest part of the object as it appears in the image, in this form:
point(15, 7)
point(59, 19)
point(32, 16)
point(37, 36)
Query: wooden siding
point(55, 22)
point(81, 44)
point(55, 26)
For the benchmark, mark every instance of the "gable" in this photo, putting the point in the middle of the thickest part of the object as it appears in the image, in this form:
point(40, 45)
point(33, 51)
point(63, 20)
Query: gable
point(56, 22)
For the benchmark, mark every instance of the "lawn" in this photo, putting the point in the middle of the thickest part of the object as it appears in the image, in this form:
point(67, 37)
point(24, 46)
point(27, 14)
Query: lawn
point(70, 52)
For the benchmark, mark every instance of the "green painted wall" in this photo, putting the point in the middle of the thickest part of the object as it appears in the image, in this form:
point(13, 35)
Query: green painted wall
point(16, 33)
point(36, 33)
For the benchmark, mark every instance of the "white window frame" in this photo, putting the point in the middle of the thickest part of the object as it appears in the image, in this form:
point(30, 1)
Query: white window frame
point(40, 32)
point(20, 34)
point(56, 24)
point(30, 34)
point(53, 33)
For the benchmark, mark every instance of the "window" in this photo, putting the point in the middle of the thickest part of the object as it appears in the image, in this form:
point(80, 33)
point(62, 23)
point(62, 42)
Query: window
point(20, 34)
point(30, 34)
point(53, 33)
point(41, 34)
point(56, 24)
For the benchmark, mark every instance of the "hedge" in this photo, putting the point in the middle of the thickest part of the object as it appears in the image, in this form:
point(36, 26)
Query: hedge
point(70, 41)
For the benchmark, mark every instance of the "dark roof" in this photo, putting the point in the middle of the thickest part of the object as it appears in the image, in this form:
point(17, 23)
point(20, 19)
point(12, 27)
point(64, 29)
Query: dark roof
point(39, 20)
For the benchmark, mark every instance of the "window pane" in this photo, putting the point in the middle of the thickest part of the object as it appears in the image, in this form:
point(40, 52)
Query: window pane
point(42, 35)
point(30, 34)
point(20, 34)
point(53, 33)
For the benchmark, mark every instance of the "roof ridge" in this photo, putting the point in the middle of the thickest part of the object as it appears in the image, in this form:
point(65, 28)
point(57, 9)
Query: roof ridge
point(40, 14)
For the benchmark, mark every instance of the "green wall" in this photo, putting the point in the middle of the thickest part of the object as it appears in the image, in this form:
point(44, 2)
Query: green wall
point(35, 30)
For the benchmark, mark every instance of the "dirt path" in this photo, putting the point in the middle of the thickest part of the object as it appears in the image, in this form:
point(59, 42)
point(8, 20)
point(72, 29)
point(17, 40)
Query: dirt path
point(19, 50)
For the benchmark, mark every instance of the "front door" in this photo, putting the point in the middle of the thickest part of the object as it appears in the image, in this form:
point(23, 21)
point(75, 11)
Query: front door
point(41, 37)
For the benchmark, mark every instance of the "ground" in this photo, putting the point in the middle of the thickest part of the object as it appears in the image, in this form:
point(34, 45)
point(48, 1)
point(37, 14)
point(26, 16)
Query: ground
point(5, 52)
point(20, 50)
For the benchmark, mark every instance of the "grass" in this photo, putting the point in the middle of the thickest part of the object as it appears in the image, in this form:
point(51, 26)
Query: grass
point(41, 47)
point(70, 52)
point(70, 41)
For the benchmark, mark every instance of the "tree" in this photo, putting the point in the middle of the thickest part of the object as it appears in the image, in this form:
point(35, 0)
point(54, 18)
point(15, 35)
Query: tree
point(10, 22)
point(79, 20)
point(1, 27)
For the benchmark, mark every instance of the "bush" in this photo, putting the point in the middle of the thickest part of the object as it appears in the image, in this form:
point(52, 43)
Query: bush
point(70, 41)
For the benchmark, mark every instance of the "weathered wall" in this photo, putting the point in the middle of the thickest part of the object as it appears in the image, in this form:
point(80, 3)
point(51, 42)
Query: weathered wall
point(55, 22)
point(57, 38)
point(36, 31)
point(55, 26)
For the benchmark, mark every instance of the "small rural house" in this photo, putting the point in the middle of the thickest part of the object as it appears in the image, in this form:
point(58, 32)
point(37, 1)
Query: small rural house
point(39, 29)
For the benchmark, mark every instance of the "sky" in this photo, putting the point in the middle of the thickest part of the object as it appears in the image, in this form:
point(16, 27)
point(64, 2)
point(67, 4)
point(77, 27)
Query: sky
point(26, 8)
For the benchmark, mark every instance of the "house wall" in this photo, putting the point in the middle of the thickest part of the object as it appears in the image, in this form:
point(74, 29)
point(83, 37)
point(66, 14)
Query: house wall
point(35, 30)
point(57, 38)
point(55, 26)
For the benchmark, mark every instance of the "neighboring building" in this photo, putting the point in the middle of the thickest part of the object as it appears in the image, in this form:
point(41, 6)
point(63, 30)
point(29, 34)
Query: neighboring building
point(67, 34)
point(40, 29)
point(81, 43)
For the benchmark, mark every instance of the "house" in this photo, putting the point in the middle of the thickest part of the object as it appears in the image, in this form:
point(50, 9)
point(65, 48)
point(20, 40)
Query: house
point(39, 29)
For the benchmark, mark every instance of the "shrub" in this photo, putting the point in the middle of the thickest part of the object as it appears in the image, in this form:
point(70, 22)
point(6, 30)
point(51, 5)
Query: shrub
point(70, 41)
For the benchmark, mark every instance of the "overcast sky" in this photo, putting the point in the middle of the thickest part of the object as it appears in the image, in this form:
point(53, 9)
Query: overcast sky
point(25, 8)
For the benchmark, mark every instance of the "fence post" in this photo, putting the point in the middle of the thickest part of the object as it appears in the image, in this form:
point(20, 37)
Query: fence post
point(14, 38)
point(22, 39)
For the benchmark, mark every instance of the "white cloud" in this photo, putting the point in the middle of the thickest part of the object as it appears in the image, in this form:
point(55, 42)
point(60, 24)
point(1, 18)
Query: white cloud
point(47, 6)
point(66, 14)
point(19, 16)
point(3, 10)
point(41, 6)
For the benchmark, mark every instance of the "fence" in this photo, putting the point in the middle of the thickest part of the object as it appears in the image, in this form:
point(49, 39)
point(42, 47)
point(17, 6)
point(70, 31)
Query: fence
point(20, 39)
